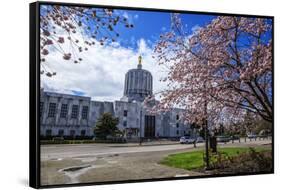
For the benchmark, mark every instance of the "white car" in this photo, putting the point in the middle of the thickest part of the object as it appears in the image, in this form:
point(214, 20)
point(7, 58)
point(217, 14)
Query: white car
point(186, 140)
point(252, 136)
point(199, 140)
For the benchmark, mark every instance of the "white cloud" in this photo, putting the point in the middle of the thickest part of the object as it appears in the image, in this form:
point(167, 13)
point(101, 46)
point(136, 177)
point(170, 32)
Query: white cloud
point(125, 14)
point(195, 28)
point(128, 16)
point(102, 72)
point(142, 47)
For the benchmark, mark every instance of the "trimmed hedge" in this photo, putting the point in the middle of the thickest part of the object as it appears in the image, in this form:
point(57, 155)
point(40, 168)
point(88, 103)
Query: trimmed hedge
point(45, 142)
point(66, 137)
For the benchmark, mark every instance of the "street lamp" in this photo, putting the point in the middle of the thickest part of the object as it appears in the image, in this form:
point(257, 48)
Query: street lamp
point(140, 125)
point(206, 133)
point(207, 145)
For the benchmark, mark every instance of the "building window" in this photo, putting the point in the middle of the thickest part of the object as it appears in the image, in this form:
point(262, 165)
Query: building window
point(177, 132)
point(85, 110)
point(41, 108)
point(124, 123)
point(63, 112)
point(72, 133)
point(177, 125)
point(61, 132)
point(48, 132)
point(83, 133)
point(177, 117)
point(125, 113)
point(74, 112)
point(52, 109)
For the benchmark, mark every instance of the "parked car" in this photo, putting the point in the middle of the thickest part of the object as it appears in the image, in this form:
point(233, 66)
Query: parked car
point(199, 140)
point(264, 133)
point(223, 139)
point(187, 140)
point(252, 136)
point(235, 137)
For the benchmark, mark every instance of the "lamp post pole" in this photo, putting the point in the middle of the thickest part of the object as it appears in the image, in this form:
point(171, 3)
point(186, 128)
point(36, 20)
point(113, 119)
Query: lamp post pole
point(140, 125)
point(206, 134)
point(207, 144)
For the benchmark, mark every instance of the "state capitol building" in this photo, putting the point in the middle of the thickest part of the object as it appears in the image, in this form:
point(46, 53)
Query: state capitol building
point(75, 116)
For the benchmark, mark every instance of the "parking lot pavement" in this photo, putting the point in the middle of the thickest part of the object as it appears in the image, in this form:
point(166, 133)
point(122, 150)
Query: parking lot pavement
point(110, 167)
point(61, 164)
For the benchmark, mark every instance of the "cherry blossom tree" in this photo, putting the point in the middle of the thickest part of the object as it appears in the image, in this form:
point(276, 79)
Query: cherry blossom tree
point(224, 68)
point(61, 29)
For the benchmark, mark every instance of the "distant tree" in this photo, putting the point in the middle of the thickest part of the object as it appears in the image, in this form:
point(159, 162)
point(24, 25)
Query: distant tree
point(106, 126)
point(60, 27)
point(221, 129)
point(194, 127)
point(202, 133)
point(257, 125)
point(263, 126)
point(250, 123)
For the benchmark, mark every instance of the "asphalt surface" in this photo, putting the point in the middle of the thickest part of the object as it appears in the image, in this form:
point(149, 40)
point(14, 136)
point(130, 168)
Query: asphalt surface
point(84, 163)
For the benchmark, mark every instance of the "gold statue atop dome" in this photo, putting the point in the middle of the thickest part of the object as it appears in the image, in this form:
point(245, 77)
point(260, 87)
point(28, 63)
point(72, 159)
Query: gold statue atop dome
point(140, 59)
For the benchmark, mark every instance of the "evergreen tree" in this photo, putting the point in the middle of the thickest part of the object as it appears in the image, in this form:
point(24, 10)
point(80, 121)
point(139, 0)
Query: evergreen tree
point(106, 125)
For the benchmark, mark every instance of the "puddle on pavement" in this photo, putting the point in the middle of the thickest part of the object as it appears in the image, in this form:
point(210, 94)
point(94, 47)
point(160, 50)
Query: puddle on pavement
point(87, 159)
point(96, 158)
point(112, 161)
point(113, 155)
point(75, 171)
point(56, 159)
point(75, 168)
point(181, 175)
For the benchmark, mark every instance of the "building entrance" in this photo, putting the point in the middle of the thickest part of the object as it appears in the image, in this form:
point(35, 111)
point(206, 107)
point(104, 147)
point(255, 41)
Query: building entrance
point(149, 126)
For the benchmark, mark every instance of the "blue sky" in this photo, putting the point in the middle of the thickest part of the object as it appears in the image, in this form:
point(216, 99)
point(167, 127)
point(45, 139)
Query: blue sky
point(149, 25)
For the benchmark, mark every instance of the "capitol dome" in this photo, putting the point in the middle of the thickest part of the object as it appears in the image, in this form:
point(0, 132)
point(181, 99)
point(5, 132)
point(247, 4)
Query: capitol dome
point(138, 84)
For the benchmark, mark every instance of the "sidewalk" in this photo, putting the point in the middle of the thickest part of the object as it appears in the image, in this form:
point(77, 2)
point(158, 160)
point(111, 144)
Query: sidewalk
point(152, 143)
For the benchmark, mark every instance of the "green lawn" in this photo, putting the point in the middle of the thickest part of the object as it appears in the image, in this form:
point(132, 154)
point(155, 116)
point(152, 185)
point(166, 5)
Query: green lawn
point(194, 160)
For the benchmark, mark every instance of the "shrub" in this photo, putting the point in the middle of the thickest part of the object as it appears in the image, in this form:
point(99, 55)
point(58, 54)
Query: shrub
point(251, 161)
